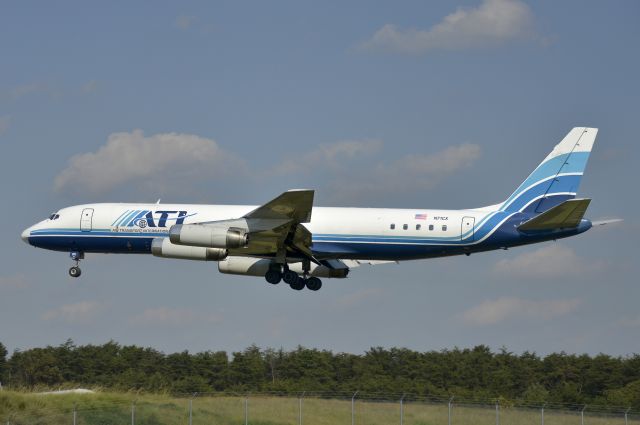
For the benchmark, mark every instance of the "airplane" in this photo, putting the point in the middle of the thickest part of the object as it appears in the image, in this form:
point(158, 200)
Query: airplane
point(288, 239)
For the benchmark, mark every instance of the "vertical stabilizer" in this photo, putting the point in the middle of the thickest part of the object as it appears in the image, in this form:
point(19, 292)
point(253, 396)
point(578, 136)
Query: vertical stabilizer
point(558, 177)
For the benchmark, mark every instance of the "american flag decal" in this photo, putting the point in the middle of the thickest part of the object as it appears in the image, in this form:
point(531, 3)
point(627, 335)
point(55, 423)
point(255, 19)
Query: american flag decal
point(421, 217)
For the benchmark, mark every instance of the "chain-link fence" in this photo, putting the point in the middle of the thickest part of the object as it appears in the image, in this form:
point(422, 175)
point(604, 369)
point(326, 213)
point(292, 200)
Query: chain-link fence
point(314, 408)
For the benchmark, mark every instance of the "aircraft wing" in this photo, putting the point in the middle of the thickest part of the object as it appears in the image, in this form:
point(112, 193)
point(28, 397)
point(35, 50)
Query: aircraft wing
point(293, 205)
point(563, 216)
point(276, 228)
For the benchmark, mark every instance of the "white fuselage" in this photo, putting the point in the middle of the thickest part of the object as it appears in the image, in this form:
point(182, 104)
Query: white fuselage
point(94, 227)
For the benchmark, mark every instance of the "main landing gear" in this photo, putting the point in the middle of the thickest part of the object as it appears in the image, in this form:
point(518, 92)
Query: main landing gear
point(296, 282)
point(75, 270)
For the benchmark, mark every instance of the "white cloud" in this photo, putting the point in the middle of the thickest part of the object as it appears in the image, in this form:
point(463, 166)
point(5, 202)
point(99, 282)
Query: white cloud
point(328, 155)
point(5, 122)
point(441, 163)
point(13, 282)
point(185, 22)
point(165, 316)
point(73, 313)
point(27, 89)
point(386, 175)
point(411, 171)
point(492, 23)
point(510, 308)
point(133, 158)
point(547, 262)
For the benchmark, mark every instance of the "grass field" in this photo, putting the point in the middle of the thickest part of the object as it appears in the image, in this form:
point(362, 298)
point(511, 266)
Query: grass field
point(17, 408)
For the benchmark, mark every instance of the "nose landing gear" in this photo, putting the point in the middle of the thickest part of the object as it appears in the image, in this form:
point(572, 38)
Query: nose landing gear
point(75, 270)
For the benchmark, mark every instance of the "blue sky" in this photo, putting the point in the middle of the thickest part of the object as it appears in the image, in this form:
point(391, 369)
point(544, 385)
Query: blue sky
point(386, 104)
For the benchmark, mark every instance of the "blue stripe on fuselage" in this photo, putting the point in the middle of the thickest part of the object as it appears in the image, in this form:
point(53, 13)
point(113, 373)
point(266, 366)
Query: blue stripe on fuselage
point(324, 245)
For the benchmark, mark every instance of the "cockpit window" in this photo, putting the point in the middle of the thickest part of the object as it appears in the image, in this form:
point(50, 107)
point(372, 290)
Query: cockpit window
point(54, 216)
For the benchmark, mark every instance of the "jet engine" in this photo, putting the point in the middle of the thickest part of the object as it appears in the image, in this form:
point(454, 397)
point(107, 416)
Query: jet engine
point(209, 235)
point(249, 266)
point(162, 247)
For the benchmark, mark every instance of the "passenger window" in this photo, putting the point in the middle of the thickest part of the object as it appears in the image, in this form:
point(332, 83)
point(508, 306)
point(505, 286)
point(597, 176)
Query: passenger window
point(418, 227)
point(431, 227)
point(393, 226)
point(444, 227)
point(405, 226)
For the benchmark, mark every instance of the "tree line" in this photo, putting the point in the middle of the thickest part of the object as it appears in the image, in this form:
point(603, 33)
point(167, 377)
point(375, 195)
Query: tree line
point(477, 373)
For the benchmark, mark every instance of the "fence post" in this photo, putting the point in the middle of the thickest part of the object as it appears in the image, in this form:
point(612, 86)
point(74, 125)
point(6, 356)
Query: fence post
point(449, 415)
point(497, 412)
point(133, 412)
point(74, 414)
point(402, 410)
point(353, 414)
point(246, 410)
point(582, 414)
point(300, 408)
point(542, 414)
point(626, 417)
point(191, 408)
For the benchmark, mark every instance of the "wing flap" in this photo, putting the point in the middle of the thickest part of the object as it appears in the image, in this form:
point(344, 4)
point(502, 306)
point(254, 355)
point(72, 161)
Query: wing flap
point(277, 225)
point(294, 205)
point(565, 215)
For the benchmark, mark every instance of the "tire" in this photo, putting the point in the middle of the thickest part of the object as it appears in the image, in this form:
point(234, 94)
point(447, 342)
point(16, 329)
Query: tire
point(273, 277)
point(299, 284)
point(313, 283)
point(75, 271)
point(290, 277)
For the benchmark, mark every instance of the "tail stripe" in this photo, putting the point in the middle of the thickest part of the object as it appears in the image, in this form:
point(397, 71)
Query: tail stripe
point(564, 183)
point(557, 177)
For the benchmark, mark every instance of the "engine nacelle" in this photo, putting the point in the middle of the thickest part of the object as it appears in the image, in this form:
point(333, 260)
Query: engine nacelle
point(209, 236)
point(162, 247)
point(249, 266)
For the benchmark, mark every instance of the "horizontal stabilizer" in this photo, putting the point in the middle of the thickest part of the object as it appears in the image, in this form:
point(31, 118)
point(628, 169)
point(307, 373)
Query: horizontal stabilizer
point(563, 216)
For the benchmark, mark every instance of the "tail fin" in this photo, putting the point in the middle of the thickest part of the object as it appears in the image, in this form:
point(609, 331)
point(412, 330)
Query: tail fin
point(557, 178)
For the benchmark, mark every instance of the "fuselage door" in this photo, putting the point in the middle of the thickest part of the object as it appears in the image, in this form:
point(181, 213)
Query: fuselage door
point(466, 232)
point(86, 220)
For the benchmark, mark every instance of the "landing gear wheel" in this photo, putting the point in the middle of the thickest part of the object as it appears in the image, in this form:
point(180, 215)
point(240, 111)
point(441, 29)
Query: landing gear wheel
point(299, 284)
point(76, 256)
point(273, 277)
point(290, 277)
point(313, 283)
point(75, 271)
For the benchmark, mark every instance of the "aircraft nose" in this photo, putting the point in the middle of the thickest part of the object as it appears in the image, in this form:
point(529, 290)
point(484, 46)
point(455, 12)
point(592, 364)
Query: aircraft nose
point(25, 235)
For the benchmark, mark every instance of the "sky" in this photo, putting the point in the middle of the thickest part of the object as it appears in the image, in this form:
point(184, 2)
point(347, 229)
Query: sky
point(440, 104)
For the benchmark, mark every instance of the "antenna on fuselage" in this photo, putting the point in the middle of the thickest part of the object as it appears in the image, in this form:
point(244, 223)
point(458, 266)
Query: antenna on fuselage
point(158, 201)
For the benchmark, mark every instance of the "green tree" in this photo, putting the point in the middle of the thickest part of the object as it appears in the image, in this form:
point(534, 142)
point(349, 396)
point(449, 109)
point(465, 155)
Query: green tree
point(3, 364)
point(628, 396)
point(36, 366)
point(248, 370)
point(536, 394)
